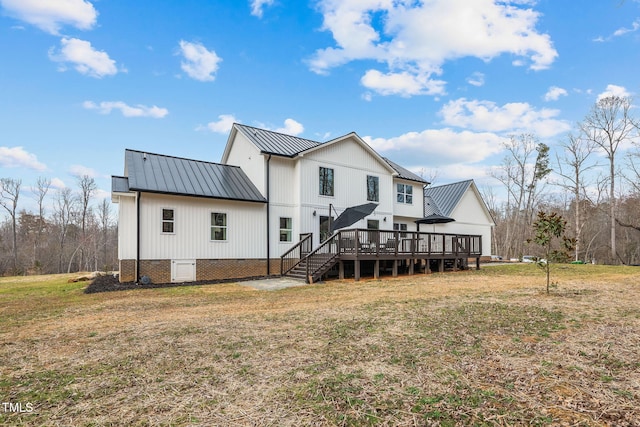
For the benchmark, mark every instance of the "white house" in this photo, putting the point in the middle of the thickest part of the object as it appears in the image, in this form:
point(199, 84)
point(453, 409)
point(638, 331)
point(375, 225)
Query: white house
point(185, 220)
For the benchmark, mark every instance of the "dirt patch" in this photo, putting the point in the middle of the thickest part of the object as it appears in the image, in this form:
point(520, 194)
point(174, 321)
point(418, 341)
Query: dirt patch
point(110, 283)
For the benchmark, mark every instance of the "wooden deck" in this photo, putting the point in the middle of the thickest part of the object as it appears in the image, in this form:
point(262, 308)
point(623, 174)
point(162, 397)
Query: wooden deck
point(409, 250)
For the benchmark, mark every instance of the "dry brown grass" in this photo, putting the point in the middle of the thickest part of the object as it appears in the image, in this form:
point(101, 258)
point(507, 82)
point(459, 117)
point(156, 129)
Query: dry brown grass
point(469, 348)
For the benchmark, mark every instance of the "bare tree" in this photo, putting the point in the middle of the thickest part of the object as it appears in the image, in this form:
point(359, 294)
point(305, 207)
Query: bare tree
point(104, 217)
point(64, 208)
point(572, 167)
point(608, 125)
point(9, 194)
point(521, 176)
point(87, 188)
point(41, 189)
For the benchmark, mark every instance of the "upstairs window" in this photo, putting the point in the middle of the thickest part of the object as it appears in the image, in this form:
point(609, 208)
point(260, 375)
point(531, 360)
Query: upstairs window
point(218, 226)
point(373, 188)
point(326, 181)
point(405, 193)
point(167, 220)
point(285, 229)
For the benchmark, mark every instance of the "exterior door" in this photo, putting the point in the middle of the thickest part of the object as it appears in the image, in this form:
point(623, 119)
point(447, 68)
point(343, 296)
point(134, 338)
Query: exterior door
point(325, 231)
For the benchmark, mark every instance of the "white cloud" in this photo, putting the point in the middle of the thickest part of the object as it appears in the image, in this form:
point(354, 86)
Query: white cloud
point(223, 125)
point(57, 184)
point(199, 63)
point(435, 144)
point(554, 93)
point(622, 31)
point(476, 79)
point(405, 84)
point(106, 107)
point(84, 58)
point(515, 117)
point(414, 39)
point(16, 157)
point(79, 170)
point(291, 127)
point(50, 16)
point(614, 90)
point(257, 6)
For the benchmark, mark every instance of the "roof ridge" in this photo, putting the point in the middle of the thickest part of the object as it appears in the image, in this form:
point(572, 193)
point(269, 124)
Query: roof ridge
point(277, 133)
point(180, 158)
point(451, 183)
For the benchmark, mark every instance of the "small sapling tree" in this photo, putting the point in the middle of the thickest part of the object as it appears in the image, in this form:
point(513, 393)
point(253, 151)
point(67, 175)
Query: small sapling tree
point(550, 234)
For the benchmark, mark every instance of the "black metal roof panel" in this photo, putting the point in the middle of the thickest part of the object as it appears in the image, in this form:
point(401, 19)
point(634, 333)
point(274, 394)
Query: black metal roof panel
point(446, 197)
point(158, 173)
point(270, 142)
point(119, 184)
point(405, 173)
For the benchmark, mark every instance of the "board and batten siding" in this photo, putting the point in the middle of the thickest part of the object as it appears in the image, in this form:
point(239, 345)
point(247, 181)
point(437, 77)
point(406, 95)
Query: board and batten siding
point(414, 210)
point(191, 239)
point(127, 226)
point(351, 164)
point(245, 154)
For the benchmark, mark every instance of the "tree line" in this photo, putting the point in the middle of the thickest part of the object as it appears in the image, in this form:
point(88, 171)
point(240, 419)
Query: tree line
point(593, 181)
point(67, 233)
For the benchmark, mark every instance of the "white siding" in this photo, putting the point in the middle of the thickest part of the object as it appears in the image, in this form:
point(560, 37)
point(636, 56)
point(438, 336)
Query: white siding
point(470, 218)
point(414, 210)
point(246, 155)
point(351, 164)
point(126, 227)
point(246, 222)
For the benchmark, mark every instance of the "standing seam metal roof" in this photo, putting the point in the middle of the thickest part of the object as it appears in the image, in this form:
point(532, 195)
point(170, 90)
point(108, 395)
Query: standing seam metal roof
point(174, 175)
point(446, 197)
point(271, 142)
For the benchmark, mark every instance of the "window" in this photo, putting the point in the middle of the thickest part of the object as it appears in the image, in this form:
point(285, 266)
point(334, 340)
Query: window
point(218, 226)
point(373, 224)
point(167, 220)
point(405, 193)
point(325, 231)
point(373, 188)
point(326, 181)
point(285, 229)
point(402, 228)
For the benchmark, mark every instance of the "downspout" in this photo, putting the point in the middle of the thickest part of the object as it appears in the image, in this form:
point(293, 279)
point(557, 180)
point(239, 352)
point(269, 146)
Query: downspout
point(268, 221)
point(137, 273)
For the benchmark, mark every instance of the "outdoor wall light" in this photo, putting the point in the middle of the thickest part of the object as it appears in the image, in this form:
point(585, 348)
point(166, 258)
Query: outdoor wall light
point(314, 213)
point(384, 219)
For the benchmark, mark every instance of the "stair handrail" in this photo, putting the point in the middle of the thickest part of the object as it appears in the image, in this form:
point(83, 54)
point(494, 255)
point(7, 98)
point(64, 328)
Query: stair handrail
point(335, 238)
point(303, 248)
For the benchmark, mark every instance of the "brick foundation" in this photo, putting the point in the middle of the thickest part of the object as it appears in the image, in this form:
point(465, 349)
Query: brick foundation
point(159, 271)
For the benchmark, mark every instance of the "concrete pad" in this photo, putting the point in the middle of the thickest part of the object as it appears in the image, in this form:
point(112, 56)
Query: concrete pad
point(272, 284)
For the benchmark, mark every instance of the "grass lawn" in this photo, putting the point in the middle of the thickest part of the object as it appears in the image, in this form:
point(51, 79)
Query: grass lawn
point(486, 347)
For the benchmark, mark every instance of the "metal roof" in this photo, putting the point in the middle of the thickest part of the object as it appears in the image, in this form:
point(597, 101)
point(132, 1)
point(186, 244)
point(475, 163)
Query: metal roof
point(158, 173)
point(445, 197)
point(405, 173)
point(119, 184)
point(270, 142)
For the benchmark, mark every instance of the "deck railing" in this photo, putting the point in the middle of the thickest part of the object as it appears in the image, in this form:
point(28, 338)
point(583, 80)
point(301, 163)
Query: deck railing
point(297, 253)
point(383, 244)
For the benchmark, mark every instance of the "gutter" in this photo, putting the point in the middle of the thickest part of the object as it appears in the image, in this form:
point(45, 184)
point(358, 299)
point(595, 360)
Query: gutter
point(268, 221)
point(137, 267)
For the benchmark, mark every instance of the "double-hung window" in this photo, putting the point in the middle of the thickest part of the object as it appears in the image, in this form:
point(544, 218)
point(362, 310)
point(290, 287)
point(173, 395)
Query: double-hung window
point(218, 226)
point(285, 229)
point(373, 188)
point(402, 228)
point(326, 181)
point(405, 193)
point(168, 220)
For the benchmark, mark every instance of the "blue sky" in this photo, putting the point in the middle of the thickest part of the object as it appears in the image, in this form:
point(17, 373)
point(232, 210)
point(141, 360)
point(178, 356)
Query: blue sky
point(434, 85)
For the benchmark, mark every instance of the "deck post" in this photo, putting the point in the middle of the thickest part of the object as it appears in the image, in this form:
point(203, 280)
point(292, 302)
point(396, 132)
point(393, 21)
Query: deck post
point(376, 270)
point(427, 266)
point(356, 269)
point(341, 270)
point(411, 262)
point(394, 269)
point(477, 263)
point(441, 265)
